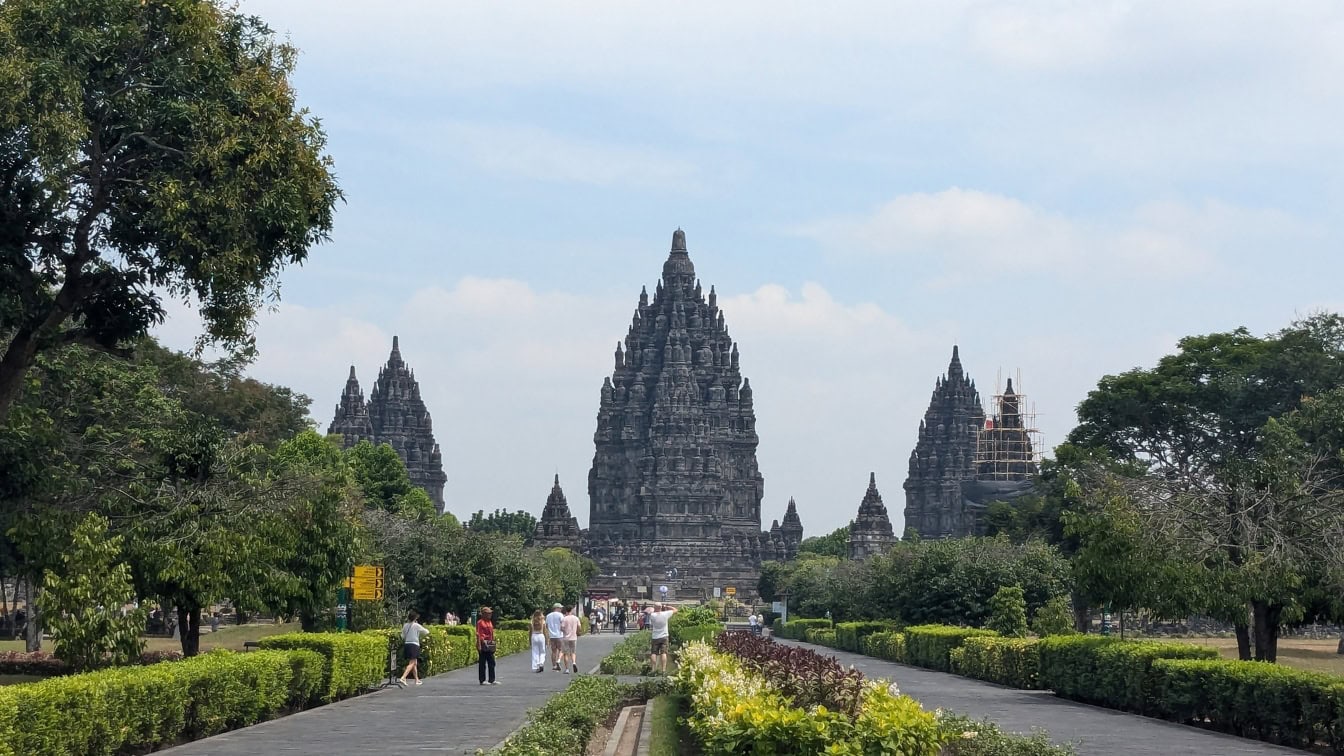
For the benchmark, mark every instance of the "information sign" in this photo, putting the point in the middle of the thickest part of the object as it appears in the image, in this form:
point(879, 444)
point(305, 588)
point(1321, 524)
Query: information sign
point(367, 583)
point(730, 590)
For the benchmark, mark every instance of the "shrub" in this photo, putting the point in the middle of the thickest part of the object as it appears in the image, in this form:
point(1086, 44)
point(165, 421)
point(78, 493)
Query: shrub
point(967, 737)
point(38, 663)
point(797, 629)
point(1014, 662)
point(1054, 618)
point(821, 637)
point(355, 661)
point(849, 635)
point(691, 633)
point(629, 657)
point(1107, 671)
point(136, 709)
point(515, 624)
point(1252, 699)
point(806, 677)
point(563, 726)
point(885, 645)
point(694, 615)
point(930, 646)
point(1008, 612)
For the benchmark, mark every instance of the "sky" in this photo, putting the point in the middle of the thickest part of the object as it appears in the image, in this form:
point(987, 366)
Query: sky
point(1064, 189)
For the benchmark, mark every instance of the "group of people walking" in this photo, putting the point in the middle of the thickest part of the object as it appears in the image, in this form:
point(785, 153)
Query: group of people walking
point(557, 635)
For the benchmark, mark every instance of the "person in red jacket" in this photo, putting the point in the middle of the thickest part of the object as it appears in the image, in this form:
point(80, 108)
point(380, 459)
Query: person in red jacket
point(485, 646)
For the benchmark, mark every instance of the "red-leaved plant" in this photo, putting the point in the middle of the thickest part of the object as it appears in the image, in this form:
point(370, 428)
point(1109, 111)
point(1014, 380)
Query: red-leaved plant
point(806, 677)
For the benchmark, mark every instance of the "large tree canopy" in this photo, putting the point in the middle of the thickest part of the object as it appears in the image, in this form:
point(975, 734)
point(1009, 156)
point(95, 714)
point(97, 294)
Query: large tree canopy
point(148, 148)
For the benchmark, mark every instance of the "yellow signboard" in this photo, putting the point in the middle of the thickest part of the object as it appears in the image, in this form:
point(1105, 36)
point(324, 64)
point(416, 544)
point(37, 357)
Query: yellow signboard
point(730, 590)
point(367, 584)
point(372, 572)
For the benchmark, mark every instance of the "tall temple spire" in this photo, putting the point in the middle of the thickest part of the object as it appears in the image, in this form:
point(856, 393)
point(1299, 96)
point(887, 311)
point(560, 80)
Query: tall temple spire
point(870, 533)
point(557, 528)
point(351, 422)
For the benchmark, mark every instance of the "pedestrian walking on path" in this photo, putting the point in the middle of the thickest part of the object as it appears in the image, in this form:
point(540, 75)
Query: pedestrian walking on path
point(554, 634)
point(485, 646)
point(538, 641)
point(569, 640)
point(411, 633)
point(657, 622)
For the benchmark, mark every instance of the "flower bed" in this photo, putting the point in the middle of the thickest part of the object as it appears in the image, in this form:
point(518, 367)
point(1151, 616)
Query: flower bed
point(805, 677)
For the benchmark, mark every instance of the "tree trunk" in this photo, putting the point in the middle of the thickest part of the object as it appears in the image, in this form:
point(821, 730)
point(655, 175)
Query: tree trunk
point(189, 628)
point(1243, 641)
point(1340, 650)
point(308, 621)
point(18, 357)
point(1082, 613)
point(1266, 616)
point(33, 635)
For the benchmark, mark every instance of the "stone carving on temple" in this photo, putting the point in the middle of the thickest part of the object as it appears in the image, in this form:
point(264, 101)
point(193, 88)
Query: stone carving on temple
point(396, 415)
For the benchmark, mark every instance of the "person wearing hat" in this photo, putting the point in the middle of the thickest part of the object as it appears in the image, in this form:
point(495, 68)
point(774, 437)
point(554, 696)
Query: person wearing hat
point(555, 633)
point(485, 646)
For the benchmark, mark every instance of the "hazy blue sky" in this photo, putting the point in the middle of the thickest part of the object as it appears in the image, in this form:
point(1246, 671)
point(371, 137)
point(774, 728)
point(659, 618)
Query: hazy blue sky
point(1063, 188)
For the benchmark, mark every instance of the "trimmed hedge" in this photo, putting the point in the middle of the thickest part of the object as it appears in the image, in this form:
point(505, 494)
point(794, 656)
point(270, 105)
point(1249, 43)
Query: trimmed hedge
point(887, 645)
point(690, 633)
point(515, 624)
point(821, 636)
point(1108, 671)
point(797, 629)
point(1251, 699)
point(355, 661)
point(849, 635)
point(1014, 662)
point(629, 657)
point(565, 723)
point(930, 646)
point(134, 709)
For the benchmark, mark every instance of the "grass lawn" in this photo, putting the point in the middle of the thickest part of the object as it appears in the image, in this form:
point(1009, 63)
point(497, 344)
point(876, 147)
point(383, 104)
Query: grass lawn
point(668, 738)
point(230, 636)
point(1317, 655)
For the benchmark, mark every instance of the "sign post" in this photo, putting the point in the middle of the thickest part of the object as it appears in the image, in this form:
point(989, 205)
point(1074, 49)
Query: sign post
point(364, 584)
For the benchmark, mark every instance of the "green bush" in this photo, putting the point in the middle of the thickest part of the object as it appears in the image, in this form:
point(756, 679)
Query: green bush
point(355, 661)
point(563, 726)
point(1008, 612)
point(1252, 699)
point(690, 633)
point(821, 636)
point(930, 646)
point(797, 629)
point(629, 657)
point(1055, 618)
point(515, 624)
point(137, 709)
point(987, 739)
point(1014, 662)
point(849, 635)
point(694, 615)
point(1107, 671)
point(885, 645)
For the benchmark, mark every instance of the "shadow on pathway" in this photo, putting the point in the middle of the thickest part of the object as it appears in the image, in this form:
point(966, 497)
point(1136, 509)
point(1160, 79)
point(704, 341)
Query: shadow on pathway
point(1096, 730)
point(450, 714)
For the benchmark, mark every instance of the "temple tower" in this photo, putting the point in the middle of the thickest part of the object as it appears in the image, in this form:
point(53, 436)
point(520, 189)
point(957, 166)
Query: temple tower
point(870, 533)
point(791, 530)
point(557, 526)
point(394, 415)
point(674, 489)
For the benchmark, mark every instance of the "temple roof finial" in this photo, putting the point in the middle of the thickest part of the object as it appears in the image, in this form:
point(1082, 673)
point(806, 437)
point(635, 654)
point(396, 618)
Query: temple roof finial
point(352, 372)
point(678, 240)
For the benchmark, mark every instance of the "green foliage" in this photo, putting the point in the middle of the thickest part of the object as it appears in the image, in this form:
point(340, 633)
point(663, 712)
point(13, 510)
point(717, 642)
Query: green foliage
point(563, 575)
point(152, 150)
point(885, 645)
point(83, 602)
point(821, 637)
point(564, 724)
point(1055, 618)
point(1282, 705)
point(967, 737)
point(1109, 672)
point(629, 657)
point(694, 615)
point(521, 523)
point(136, 709)
point(797, 628)
point(517, 624)
point(1008, 612)
point(833, 544)
point(930, 646)
point(380, 475)
point(849, 635)
point(355, 661)
point(1014, 662)
point(683, 634)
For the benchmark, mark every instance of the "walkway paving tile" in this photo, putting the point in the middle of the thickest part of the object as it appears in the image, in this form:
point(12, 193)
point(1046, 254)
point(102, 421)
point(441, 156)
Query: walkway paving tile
point(1096, 730)
point(450, 714)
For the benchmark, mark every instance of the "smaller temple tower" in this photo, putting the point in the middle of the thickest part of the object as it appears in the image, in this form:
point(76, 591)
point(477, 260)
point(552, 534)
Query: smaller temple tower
point(352, 415)
point(870, 533)
point(791, 530)
point(557, 528)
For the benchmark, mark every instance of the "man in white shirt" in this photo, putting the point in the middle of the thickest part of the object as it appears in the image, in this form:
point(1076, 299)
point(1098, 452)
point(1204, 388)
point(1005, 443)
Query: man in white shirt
point(657, 622)
point(554, 634)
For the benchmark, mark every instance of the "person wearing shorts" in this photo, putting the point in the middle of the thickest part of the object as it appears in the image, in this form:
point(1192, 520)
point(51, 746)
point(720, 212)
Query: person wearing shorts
point(411, 634)
point(554, 634)
point(569, 641)
point(657, 622)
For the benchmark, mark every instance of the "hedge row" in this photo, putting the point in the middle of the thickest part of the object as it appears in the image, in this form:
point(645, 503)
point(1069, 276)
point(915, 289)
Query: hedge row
point(134, 709)
point(690, 633)
point(887, 645)
point(565, 723)
point(797, 629)
point(354, 661)
point(1109, 672)
point(930, 646)
point(849, 635)
point(822, 636)
point(1014, 662)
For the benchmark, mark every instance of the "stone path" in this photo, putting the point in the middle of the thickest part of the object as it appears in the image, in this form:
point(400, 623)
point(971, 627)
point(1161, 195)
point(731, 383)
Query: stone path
point(449, 714)
point(1094, 729)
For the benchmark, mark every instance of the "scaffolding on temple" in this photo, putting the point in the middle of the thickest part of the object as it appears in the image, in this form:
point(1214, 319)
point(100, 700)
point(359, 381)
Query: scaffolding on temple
point(1008, 448)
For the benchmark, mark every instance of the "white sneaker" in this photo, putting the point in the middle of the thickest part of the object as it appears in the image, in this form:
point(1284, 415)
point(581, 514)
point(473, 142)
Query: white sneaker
point(495, 683)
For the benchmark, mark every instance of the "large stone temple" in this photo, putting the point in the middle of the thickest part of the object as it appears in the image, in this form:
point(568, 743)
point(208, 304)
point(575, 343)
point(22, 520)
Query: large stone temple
point(395, 415)
point(674, 491)
point(963, 460)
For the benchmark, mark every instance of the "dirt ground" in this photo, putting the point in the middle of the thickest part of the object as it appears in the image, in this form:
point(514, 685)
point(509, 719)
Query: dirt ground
point(230, 636)
point(1317, 655)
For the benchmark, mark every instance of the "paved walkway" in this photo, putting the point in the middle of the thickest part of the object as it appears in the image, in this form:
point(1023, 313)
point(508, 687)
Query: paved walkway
point(449, 714)
point(1094, 729)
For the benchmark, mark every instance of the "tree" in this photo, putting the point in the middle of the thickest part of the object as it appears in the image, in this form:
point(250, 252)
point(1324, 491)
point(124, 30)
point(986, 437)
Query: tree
point(380, 474)
point(520, 523)
point(564, 575)
point(1008, 612)
point(146, 149)
point(834, 543)
point(1055, 618)
point(83, 602)
point(1199, 423)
